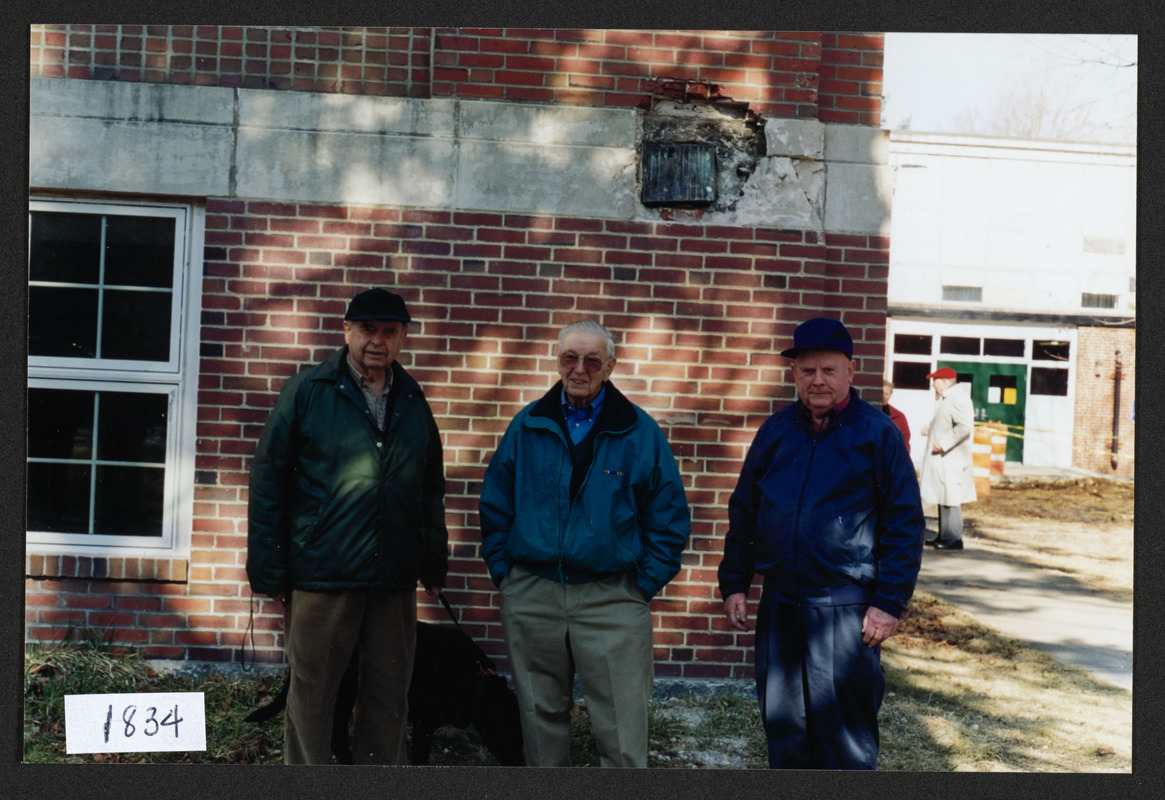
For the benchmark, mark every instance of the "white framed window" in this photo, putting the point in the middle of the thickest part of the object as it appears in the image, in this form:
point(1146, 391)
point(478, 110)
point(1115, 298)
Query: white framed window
point(113, 299)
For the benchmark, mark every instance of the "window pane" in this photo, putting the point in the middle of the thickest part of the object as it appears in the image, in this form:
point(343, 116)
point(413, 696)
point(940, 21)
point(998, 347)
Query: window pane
point(64, 247)
point(60, 424)
point(959, 345)
point(129, 501)
point(132, 427)
point(1090, 300)
point(62, 322)
point(58, 498)
point(963, 294)
point(1049, 381)
point(911, 375)
point(139, 251)
point(1050, 351)
point(1012, 348)
point(1003, 389)
point(912, 344)
point(136, 326)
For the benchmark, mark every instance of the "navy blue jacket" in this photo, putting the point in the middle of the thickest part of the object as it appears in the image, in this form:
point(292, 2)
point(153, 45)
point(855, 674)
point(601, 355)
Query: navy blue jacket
point(819, 515)
point(629, 514)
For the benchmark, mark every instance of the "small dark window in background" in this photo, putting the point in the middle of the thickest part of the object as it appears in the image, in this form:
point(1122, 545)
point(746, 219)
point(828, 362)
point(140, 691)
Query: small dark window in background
point(1090, 300)
point(963, 294)
point(1010, 348)
point(1048, 381)
point(911, 375)
point(911, 344)
point(1050, 351)
point(959, 345)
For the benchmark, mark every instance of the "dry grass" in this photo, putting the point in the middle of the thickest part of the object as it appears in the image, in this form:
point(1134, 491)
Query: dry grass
point(966, 698)
point(963, 698)
point(1082, 528)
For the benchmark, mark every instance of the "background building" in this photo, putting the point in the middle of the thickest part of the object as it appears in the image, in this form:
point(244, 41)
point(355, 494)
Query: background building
point(1015, 263)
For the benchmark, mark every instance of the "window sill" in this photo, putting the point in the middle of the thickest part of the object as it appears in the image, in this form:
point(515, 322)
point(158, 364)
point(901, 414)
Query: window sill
point(116, 568)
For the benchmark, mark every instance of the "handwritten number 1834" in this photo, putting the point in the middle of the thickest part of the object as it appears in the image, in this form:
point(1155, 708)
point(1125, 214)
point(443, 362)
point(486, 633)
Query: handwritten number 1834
point(151, 725)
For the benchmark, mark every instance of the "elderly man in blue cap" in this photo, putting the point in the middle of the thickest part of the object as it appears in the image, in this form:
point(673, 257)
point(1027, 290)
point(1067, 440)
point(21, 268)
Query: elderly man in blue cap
point(827, 509)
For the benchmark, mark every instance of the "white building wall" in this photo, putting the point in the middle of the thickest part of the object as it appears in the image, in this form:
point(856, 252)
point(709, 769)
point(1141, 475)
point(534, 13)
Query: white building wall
point(1034, 224)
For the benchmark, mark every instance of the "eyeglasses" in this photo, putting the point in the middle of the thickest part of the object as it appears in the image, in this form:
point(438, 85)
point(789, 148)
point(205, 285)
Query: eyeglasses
point(569, 361)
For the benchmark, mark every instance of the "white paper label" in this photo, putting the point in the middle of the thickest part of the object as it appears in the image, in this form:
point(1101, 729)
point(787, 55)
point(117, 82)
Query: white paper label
point(135, 723)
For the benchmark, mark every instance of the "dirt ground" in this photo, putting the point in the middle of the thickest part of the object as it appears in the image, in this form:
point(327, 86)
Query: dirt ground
point(1094, 501)
point(1081, 527)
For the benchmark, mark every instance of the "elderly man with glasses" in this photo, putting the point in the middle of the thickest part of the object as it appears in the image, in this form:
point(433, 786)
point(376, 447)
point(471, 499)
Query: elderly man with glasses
point(584, 520)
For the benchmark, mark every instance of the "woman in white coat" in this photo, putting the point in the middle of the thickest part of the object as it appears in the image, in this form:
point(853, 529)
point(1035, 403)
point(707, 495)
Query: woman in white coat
point(948, 476)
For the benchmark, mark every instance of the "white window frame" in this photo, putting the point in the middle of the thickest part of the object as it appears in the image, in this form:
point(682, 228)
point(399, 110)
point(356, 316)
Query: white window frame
point(177, 378)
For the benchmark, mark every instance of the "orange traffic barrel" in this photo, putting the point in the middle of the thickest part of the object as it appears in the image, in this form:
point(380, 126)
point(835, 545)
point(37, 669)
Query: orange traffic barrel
point(981, 458)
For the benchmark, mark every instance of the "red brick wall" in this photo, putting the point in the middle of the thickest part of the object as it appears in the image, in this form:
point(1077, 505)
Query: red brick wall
point(1092, 437)
point(701, 314)
point(786, 74)
point(701, 311)
point(850, 91)
point(377, 61)
point(775, 72)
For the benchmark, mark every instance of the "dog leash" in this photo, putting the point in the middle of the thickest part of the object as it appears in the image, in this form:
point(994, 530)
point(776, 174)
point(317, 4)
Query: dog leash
point(248, 633)
point(445, 602)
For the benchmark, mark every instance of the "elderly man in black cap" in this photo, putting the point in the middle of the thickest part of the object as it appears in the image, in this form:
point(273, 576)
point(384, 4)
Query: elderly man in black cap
point(346, 515)
point(827, 509)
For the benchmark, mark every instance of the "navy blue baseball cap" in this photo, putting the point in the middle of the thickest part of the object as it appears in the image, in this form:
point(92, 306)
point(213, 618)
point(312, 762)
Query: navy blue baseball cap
point(378, 304)
point(820, 333)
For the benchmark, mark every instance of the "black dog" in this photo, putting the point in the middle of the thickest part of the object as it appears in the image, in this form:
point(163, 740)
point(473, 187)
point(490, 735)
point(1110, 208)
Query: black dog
point(454, 683)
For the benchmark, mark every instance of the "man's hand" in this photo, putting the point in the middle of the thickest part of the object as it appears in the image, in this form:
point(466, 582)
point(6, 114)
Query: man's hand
point(878, 626)
point(736, 608)
point(937, 450)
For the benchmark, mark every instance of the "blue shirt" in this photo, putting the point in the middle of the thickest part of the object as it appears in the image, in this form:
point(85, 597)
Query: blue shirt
point(579, 421)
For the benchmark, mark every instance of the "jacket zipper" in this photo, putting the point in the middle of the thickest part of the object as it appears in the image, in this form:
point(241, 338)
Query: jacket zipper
point(800, 504)
point(581, 487)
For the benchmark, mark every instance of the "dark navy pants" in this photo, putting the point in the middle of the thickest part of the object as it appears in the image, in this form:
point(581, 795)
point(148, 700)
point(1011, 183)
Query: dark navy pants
point(819, 687)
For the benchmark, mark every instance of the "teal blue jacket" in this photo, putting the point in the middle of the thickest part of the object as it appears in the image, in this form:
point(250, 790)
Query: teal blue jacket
point(334, 504)
point(630, 513)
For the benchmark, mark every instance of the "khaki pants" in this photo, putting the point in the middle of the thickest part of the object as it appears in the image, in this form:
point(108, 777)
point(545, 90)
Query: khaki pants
point(603, 631)
point(323, 631)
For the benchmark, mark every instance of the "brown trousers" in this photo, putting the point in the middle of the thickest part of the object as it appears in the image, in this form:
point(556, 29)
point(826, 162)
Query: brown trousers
point(322, 632)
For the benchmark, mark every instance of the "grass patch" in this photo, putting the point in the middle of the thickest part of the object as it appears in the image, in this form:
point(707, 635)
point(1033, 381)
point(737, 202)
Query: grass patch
point(94, 666)
point(960, 697)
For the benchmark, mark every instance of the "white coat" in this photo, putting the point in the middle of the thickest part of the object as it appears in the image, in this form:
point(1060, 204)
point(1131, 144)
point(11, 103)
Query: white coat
point(949, 479)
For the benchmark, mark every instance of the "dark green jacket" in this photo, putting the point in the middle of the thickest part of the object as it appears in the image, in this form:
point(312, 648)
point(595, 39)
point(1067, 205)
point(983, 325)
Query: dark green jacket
point(334, 503)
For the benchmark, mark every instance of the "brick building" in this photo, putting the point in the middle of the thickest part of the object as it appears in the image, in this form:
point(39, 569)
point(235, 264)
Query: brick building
point(205, 199)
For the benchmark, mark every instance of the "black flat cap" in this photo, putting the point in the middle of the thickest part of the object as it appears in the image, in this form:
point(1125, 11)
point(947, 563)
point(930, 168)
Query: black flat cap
point(378, 304)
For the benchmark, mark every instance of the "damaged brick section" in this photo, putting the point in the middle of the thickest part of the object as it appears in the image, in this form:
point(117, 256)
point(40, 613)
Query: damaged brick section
point(686, 112)
point(769, 171)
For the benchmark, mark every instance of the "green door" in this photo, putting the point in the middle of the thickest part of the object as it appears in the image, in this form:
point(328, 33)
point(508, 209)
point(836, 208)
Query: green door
point(999, 392)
